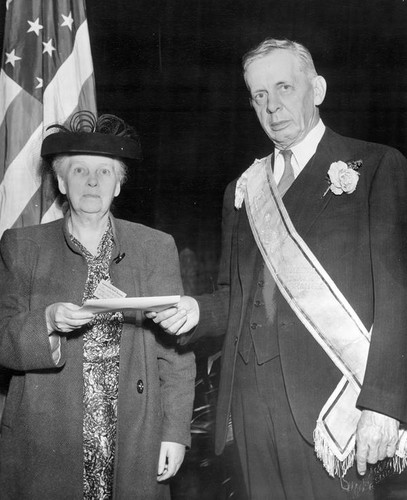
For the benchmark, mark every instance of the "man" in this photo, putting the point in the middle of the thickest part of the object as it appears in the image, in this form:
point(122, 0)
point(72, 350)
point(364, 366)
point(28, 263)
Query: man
point(309, 271)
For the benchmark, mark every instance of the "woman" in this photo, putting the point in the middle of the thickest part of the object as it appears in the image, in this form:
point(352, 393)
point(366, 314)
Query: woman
point(99, 406)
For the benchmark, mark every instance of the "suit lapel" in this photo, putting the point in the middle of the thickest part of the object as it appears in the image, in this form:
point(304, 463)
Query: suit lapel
point(307, 198)
point(304, 201)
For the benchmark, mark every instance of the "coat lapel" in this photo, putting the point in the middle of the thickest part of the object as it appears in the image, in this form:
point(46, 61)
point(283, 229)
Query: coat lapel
point(124, 279)
point(304, 201)
point(308, 197)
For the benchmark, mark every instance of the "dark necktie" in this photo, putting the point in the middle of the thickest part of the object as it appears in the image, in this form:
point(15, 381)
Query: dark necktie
point(288, 175)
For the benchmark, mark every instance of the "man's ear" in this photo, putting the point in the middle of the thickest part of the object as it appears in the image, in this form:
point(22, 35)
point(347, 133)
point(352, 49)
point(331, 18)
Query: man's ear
point(319, 84)
point(61, 184)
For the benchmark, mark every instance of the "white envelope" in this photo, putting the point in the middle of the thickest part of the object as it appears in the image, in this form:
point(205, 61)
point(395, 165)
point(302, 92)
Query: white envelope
point(97, 306)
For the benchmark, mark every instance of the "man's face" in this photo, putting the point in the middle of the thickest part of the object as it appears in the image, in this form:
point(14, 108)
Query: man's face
point(284, 97)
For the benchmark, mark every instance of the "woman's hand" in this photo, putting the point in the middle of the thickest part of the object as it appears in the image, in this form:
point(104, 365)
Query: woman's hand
point(179, 319)
point(171, 458)
point(65, 317)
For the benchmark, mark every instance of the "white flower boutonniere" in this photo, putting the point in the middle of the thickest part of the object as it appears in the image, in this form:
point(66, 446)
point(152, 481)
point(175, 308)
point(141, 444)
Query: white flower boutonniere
point(343, 177)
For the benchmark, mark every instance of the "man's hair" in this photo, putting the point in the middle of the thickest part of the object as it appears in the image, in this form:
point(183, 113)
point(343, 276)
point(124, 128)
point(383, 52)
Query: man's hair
point(269, 45)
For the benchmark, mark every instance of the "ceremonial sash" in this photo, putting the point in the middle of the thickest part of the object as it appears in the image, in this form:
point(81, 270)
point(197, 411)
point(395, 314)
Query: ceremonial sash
point(321, 307)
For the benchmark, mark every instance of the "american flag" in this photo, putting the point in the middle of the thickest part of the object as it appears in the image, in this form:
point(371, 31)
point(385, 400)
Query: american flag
point(46, 75)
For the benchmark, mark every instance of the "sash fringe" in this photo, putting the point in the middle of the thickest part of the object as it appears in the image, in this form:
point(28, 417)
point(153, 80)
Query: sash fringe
point(333, 465)
point(399, 463)
point(336, 467)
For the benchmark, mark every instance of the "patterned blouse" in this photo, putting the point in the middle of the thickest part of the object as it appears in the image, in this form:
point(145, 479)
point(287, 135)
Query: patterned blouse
point(101, 379)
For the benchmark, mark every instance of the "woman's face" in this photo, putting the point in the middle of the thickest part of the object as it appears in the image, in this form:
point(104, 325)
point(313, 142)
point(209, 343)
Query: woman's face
point(90, 183)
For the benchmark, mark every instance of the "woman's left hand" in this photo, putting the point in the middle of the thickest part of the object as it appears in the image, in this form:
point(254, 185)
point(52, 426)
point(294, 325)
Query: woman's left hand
point(171, 458)
point(64, 317)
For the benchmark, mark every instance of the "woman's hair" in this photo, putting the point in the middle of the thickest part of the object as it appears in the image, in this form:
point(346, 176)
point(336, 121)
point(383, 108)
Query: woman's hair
point(271, 44)
point(58, 167)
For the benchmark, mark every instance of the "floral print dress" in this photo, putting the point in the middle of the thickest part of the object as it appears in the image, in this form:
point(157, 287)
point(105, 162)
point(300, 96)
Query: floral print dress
point(101, 342)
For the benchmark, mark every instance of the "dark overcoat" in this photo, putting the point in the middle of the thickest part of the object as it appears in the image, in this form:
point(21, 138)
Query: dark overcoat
point(361, 241)
point(41, 442)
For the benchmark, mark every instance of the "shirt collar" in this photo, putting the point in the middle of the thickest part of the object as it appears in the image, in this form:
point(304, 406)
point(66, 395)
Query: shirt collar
point(303, 151)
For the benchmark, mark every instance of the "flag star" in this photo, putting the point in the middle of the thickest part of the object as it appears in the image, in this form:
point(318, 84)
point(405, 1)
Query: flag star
point(48, 47)
point(12, 58)
point(35, 26)
point(40, 83)
point(68, 20)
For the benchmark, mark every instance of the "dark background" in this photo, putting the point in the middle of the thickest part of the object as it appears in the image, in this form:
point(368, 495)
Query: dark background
point(173, 70)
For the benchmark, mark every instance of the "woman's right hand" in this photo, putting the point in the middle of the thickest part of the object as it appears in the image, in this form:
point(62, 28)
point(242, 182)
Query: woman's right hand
point(64, 317)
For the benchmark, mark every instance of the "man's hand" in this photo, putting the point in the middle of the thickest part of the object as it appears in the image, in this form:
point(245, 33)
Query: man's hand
point(171, 458)
point(65, 317)
point(179, 319)
point(376, 439)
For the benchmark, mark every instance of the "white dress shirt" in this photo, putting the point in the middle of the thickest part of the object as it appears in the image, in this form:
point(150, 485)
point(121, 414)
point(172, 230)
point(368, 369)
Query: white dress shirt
point(302, 152)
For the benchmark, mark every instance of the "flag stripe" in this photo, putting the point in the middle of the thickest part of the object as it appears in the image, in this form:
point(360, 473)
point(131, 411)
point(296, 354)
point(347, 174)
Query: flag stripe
point(46, 51)
point(20, 182)
point(28, 216)
point(9, 91)
point(46, 204)
point(61, 95)
point(16, 120)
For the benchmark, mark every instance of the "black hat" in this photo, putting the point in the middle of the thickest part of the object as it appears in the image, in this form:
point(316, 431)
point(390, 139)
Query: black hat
point(107, 135)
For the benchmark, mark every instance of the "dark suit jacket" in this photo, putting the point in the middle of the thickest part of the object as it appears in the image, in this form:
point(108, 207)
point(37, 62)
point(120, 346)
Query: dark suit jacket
point(41, 436)
point(361, 241)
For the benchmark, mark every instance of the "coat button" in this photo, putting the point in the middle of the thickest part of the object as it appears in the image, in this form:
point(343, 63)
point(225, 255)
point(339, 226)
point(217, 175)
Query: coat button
point(260, 283)
point(140, 386)
point(257, 303)
point(253, 326)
